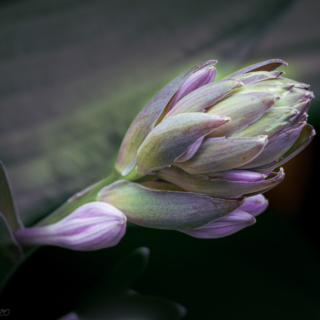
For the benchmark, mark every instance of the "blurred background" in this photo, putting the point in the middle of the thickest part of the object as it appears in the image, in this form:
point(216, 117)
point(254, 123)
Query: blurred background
point(75, 73)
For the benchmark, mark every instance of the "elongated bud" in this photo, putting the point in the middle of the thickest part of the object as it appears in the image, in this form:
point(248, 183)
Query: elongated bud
point(224, 226)
point(238, 175)
point(243, 109)
point(220, 154)
point(195, 81)
point(162, 209)
point(222, 184)
point(92, 226)
point(204, 97)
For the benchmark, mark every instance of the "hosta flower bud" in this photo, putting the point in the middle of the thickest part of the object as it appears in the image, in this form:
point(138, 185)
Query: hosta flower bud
point(253, 119)
point(92, 226)
point(233, 222)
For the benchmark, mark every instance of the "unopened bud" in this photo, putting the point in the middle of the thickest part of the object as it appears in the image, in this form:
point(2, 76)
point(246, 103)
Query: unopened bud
point(92, 226)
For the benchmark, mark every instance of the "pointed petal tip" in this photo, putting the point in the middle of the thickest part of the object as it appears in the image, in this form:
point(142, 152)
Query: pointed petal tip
point(253, 221)
point(210, 63)
point(223, 119)
point(310, 95)
point(281, 173)
point(263, 139)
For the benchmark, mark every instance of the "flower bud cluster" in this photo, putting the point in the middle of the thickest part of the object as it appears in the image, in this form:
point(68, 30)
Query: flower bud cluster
point(195, 159)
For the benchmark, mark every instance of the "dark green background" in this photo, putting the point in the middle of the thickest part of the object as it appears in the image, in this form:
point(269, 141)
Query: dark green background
point(73, 75)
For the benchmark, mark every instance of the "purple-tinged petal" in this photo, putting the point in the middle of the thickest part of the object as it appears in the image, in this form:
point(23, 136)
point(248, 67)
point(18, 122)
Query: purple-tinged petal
point(166, 209)
point(221, 154)
point(237, 175)
point(243, 109)
point(255, 205)
point(172, 137)
point(190, 151)
point(92, 226)
point(195, 81)
point(218, 187)
point(147, 118)
point(222, 227)
point(305, 137)
point(277, 146)
point(268, 65)
point(204, 97)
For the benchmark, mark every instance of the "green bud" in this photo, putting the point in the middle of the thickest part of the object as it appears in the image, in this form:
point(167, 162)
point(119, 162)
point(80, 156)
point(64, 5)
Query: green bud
point(220, 154)
point(164, 209)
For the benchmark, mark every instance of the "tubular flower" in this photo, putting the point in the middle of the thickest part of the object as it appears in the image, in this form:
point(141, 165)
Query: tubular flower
point(92, 226)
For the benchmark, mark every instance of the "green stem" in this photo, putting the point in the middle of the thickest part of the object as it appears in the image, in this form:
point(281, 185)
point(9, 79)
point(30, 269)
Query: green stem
point(87, 195)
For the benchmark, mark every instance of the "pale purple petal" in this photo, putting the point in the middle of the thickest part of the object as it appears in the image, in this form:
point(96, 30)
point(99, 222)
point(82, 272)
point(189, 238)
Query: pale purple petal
point(255, 205)
point(92, 226)
point(238, 175)
point(195, 81)
point(224, 226)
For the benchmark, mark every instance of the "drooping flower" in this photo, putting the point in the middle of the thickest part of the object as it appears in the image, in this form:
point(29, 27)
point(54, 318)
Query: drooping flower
point(92, 226)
